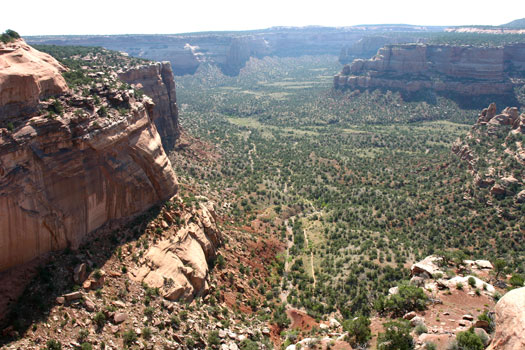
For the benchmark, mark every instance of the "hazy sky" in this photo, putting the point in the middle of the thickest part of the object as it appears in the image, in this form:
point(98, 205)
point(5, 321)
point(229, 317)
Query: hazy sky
point(37, 17)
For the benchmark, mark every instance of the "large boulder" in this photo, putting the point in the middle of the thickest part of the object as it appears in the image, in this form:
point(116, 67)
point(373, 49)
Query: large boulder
point(26, 76)
point(510, 322)
point(426, 267)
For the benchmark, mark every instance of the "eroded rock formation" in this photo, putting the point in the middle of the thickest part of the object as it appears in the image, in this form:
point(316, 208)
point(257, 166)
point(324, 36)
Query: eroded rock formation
point(463, 70)
point(178, 263)
point(510, 322)
point(156, 80)
point(27, 75)
point(65, 174)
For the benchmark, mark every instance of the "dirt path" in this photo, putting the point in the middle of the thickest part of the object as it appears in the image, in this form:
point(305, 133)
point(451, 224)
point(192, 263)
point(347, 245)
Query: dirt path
point(250, 152)
point(311, 256)
point(289, 244)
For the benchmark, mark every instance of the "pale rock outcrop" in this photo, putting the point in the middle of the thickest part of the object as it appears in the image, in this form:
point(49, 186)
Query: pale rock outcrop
point(427, 267)
point(156, 80)
point(483, 286)
point(510, 322)
point(26, 76)
point(178, 264)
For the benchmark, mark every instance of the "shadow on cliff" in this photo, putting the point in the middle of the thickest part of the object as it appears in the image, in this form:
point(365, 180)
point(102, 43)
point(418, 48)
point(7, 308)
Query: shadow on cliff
point(54, 278)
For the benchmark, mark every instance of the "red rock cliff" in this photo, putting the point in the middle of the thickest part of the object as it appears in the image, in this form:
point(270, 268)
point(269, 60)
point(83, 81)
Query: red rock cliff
point(65, 175)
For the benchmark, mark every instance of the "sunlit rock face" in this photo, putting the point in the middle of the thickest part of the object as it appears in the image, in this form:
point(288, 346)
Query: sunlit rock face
point(463, 70)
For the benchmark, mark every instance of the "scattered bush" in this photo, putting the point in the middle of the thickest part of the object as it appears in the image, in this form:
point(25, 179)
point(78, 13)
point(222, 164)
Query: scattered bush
point(395, 337)
point(359, 332)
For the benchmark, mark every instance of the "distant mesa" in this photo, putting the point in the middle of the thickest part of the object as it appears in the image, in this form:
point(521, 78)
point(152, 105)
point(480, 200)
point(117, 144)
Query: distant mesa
point(454, 70)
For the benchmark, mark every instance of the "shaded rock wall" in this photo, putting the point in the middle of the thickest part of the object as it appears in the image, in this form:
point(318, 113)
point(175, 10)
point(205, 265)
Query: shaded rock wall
point(157, 82)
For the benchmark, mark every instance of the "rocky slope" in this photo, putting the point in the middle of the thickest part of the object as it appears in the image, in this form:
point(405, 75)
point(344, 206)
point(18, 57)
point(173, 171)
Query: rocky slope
point(74, 164)
point(495, 154)
point(460, 70)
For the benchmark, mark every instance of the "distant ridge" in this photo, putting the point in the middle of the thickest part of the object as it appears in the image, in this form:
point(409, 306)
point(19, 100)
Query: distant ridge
point(517, 23)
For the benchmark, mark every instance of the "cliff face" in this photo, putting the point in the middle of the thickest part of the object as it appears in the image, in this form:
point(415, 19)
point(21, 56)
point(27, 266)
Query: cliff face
point(27, 75)
point(369, 45)
point(464, 70)
point(156, 81)
point(65, 174)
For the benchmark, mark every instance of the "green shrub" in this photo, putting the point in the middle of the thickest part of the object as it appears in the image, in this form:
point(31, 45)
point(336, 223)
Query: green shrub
point(395, 337)
point(86, 346)
point(53, 344)
point(469, 341)
point(358, 331)
point(129, 337)
point(408, 298)
point(100, 319)
point(9, 36)
point(420, 329)
point(146, 333)
point(213, 338)
point(471, 281)
point(516, 280)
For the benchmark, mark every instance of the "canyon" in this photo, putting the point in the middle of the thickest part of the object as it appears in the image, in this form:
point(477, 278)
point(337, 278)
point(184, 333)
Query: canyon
point(231, 50)
point(460, 70)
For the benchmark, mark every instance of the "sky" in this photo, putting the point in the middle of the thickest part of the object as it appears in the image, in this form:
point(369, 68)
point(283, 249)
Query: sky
point(60, 17)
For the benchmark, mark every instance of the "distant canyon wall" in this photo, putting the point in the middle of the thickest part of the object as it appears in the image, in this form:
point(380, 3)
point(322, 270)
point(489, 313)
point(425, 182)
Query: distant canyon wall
point(230, 51)
point(464, 70)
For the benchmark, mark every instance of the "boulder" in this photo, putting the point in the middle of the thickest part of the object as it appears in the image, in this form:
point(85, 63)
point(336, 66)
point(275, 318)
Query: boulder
point(497, 189)
point(80, 273)
point(417, 321)
point(520, 197)
point(410, 315)
point(73, 296)
point(120, 317)
point(427, 267)
point(510, 322)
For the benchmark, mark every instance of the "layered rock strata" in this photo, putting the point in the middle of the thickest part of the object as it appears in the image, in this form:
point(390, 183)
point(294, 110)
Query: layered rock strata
point(65, 174)
point(156, 80)
point(463, 70)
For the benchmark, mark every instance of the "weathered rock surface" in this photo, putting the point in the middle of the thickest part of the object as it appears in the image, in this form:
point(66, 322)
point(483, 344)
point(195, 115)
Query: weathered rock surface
point(26, 76)
point(178, 264)
point(63, 178)
point(463, 70)
point(427, 267)
point(157, 81)
point(510, 322)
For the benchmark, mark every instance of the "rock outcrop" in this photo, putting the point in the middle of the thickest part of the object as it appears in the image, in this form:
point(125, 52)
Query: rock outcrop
point(156, 80)
point(501, 129)
point(368, 46)
point(178, 264)
point(26, 76)
point(73, 165)
point(510, 322)
point(462, 70)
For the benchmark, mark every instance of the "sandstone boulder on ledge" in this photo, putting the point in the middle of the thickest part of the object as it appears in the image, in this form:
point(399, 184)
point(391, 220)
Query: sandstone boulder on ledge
point(27, 75)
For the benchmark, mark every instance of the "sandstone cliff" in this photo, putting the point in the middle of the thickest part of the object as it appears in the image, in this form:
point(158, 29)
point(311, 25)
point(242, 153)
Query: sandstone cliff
point(27, 75)
point(156, 80)
point(462, 70)
point(75, 163)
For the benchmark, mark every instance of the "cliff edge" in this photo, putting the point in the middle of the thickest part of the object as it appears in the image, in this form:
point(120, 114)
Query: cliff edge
point(76, 161)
